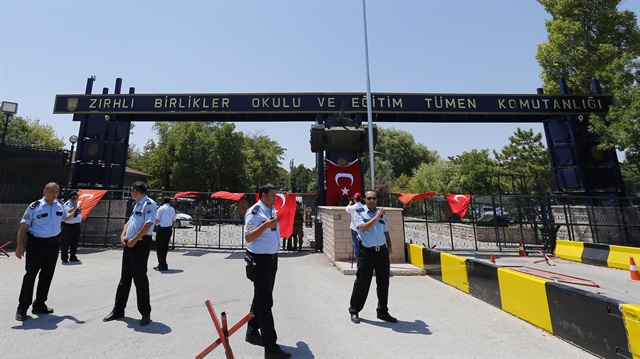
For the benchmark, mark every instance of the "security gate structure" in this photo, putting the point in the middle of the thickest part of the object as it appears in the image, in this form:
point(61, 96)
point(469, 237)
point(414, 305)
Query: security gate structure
point(338, 133)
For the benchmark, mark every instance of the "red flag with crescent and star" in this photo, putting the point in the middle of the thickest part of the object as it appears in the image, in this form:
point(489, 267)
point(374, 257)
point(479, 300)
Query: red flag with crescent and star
point(342, 181)
point(285, 206)
point(88, 199)
point(459, 203)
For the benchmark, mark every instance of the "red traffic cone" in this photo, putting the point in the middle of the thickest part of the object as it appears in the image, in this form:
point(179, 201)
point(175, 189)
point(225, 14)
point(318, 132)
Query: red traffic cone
point(521, 252)
point(633, 270)
point(492, 259)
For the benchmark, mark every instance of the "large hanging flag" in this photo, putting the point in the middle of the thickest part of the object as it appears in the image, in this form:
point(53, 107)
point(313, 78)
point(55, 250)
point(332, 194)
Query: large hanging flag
point(88, 199)
point(342, 181)
point(459, 203)
point(285, 206)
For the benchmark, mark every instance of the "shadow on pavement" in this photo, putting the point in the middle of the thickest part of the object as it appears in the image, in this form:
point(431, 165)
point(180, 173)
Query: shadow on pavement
point(417, 327)
point(45, 322)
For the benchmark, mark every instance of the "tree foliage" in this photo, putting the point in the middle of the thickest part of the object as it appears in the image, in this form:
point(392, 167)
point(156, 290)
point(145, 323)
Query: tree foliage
point(28, 131)
point(526, 158)
point(208, 157)
point(263, 156)
point(301, 179)
point(442, 177)
point(592, 39)
point(476, 168)
point(401, 150)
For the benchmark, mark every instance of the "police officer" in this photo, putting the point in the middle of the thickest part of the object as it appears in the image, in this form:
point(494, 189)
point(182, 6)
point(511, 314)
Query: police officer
point(165, 222)
point(136, 240)
point(41, 223)
point(71, 229)
point(374, 249)
point(262, 234)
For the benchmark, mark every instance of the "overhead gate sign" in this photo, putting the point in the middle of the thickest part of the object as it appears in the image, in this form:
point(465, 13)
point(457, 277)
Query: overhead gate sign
point(305, 106)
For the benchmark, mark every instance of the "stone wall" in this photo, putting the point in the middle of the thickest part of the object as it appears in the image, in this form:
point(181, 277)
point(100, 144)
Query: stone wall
point(598, 224)
point(10, 215)
point(337, 245)
point(464, 231)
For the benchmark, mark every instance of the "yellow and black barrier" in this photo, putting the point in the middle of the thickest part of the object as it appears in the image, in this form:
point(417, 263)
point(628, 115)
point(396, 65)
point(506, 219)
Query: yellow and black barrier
point(600, 325)
point(597, 254)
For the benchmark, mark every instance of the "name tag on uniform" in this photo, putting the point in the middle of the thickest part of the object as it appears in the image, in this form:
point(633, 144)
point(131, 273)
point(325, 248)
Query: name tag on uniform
point(138, 213)
point(42, 215)
point(58, 213)
point(381, 221)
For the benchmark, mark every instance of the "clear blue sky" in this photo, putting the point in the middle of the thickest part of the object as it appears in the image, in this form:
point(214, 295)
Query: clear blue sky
point(235, 46)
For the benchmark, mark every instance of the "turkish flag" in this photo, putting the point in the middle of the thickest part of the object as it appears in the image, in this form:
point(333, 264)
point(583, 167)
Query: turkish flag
point(406, 198)
point(89, 198)
point(342, 181)
point(285, 206)
point(228, 195)
point(459, 203)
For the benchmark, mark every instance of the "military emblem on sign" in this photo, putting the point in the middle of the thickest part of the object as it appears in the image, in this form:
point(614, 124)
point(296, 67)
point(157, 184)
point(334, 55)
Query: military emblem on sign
point(72, 104)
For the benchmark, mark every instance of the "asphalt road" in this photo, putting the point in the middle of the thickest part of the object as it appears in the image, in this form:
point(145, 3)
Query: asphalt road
point(311, 299)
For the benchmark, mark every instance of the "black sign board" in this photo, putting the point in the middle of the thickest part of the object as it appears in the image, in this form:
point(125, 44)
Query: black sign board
point(387, 107)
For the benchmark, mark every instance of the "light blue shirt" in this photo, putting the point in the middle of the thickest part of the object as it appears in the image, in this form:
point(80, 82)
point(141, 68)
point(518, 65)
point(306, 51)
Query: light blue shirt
point(44, 219)
point(166, 215)
point(375, 235)
point(143, 212)
point(269, 241)
point(68, 205)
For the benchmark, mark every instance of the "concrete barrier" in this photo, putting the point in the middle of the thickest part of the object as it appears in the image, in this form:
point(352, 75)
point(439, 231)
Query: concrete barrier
point(603, 326)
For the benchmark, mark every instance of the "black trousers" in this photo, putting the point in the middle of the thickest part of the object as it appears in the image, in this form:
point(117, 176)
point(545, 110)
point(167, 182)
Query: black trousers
point(69, 240)
point(41, 257)
point(163, 237)
point(368, 261)
point(267, 266)
point(134, 266)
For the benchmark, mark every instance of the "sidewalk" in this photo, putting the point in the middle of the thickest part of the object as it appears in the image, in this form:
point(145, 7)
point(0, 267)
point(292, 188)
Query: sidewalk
point(311, 298)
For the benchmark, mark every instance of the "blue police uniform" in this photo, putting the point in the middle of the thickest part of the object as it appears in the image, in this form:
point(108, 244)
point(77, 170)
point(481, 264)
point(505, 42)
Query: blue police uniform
point(165, 217)
point(134, 260)
point(44, 222)
point(70, 234)
point(373, 254)
point(263, 252)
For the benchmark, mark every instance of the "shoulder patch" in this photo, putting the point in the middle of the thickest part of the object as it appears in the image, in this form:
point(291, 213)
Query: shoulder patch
point(255, 210)
point(34, 205)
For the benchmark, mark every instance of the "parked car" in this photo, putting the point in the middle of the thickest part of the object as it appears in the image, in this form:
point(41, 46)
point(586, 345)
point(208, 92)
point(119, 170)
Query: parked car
point(183, 219)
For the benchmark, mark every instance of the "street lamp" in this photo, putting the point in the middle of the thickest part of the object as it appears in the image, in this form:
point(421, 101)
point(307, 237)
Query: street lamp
point(8, 108)
point(388, 171)
point(73, 140)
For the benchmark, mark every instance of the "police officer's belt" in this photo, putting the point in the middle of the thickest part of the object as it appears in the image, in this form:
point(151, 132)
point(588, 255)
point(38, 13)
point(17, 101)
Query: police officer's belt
point(373, 249)
point(44, 239)
point(264, 255)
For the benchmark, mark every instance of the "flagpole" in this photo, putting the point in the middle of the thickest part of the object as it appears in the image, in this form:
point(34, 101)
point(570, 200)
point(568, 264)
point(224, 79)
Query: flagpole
point(369, 114)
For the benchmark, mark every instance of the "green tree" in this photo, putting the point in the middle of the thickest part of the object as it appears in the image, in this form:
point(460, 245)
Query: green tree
point(301, 179)
point(401, 150)
point(264, 157)
point(25, 130)
point(593, 39)
point(198, 156)
point(476, 168)
point(442, 177)
point(527, 158)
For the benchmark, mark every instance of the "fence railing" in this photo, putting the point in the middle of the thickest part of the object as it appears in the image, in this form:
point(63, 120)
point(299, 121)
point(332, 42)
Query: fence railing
point(492, 223)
